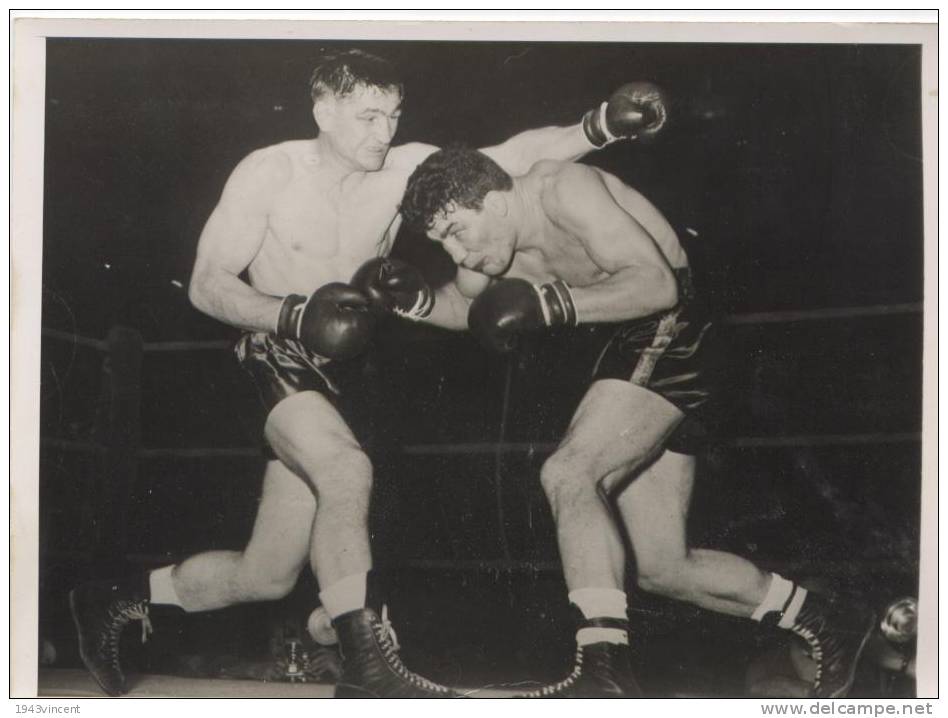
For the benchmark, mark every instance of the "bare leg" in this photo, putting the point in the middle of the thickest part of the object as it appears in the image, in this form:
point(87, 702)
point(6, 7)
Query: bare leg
point(310, 437)
point(268, 568)
point(654, 509)
point(614, 431)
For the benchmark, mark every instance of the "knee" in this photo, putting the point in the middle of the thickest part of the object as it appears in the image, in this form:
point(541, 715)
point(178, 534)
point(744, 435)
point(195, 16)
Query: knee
point(340, 474)
point(267, 583)
point(567, 474)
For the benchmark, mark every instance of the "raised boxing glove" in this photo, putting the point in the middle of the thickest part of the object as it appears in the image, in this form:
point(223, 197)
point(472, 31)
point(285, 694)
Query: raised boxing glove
point(335, 321)
point(510, 307)
point(637, 109)
point(395, 286)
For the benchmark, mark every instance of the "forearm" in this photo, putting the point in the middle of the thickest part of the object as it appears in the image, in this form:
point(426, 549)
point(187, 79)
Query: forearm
point(228, 299)
point(628, 294)
point(518, 154)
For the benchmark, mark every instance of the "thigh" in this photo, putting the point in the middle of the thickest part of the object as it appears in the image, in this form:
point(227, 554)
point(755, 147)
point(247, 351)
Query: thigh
point(619, 427)
point(654, 508)
point(306, 430)
point(279, 544)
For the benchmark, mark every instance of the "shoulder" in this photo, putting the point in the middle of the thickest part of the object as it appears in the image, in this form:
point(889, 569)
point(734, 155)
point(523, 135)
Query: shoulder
point(559, 179)
point(266, 168)
point(408, 156)
point(564, 186)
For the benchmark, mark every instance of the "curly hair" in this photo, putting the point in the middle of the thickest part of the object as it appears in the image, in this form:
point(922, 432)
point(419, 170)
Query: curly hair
point(455, 175)
point(339, 73)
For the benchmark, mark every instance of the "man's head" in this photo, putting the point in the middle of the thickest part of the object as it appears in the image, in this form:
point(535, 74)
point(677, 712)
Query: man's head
point(459, 198)
point(357, 101)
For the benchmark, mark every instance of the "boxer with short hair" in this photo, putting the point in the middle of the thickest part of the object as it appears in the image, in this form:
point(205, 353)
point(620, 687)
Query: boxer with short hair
point(300, 217)
point(567, 244)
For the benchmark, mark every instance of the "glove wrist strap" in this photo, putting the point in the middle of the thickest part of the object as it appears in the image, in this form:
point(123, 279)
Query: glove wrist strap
point(557, 302)
point(595, 127)
point(288, 320)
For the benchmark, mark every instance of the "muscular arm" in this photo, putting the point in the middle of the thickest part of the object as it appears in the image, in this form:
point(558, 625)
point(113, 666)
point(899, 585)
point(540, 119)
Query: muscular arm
point(516, 155)
point(640, 280)
point(231, 239)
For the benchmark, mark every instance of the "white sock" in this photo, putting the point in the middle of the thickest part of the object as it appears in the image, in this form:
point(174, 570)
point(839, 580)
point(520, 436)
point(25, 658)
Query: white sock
point(345, 595)
point(784, 597)
point(161, 587)
point(600, 603)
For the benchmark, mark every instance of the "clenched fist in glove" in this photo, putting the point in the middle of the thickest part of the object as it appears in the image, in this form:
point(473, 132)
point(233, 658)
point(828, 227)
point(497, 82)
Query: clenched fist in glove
point(510, 307)
point(335, 321)
point(395, 286)
point(634, 110)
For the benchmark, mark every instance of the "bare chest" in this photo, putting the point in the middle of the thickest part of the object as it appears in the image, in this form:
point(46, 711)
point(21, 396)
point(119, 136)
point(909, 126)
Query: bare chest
point(310, 222)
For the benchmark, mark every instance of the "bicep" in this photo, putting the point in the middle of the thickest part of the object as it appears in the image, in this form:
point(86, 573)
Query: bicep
point(236, 228)
point(519, 153)
point(231, 239)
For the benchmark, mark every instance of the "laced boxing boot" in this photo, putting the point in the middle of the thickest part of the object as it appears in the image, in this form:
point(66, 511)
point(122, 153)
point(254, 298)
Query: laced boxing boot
point(836, 634)
point(601, 670)
point(371, 666)
point(101, 610)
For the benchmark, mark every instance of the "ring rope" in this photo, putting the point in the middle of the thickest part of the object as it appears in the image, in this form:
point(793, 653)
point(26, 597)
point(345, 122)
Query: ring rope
point(877, 310)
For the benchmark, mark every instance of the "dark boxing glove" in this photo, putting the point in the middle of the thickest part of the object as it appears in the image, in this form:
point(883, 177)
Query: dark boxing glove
point(334, 322)
point(396, 286)
point(634, 110)
point(512, 306)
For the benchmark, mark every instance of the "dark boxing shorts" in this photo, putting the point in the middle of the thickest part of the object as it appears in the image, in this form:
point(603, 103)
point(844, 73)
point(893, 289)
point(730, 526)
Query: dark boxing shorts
point(282, 367)
point(666, 353)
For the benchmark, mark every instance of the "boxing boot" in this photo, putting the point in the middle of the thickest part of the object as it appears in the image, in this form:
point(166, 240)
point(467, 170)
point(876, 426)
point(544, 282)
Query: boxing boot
point(101, 610)
point(836, 634)
point(601, 670)
point(371, 666)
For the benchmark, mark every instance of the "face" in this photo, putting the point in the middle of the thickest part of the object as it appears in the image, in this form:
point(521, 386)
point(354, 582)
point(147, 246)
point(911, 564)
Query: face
point(361, 125)
point(476, 239)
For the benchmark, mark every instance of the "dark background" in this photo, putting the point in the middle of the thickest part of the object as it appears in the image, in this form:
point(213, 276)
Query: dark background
point(794, 175)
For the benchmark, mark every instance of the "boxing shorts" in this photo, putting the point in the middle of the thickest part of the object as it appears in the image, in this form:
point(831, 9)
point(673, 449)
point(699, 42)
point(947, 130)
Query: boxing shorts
point(667, 354)
point(282, 367)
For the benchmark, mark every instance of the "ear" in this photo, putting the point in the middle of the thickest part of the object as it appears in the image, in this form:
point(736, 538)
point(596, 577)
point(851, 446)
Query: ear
point(496, 203)
point(324, 112)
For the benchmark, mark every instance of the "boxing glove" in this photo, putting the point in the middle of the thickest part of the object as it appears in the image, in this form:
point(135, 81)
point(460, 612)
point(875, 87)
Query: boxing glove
point(634, 110)
point(395, 286)
point(510, 307)
point(335, 321)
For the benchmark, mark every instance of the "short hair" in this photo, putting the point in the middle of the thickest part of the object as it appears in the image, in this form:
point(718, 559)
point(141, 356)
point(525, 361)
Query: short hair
point(455, 175)
point(339, 73)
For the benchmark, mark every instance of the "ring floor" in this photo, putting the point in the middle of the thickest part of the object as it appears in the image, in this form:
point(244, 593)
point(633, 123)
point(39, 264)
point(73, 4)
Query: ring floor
point(77, 683)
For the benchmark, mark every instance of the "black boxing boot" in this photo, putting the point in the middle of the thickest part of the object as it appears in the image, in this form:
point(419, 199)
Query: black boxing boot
point(101, 610)
point(836, 634)
point(371, 666)
point(601, 670)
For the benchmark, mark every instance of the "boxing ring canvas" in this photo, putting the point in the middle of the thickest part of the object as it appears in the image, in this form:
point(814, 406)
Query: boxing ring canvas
point(795, 169)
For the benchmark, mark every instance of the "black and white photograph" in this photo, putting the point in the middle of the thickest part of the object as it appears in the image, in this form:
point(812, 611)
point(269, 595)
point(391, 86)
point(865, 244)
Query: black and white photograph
point(473, 360)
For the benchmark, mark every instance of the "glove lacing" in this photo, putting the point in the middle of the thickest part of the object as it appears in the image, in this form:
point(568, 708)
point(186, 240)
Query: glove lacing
point(816, 649)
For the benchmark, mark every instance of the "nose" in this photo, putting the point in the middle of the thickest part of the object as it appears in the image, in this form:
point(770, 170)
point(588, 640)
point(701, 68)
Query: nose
point(385, 130)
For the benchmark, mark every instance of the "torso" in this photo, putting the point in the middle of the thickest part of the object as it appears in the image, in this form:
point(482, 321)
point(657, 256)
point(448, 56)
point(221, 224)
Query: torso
point(564, 257)
point(321, 227)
